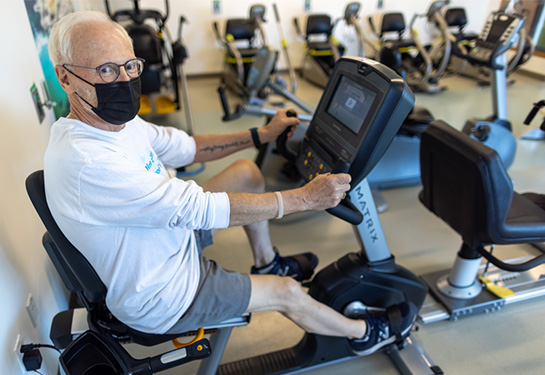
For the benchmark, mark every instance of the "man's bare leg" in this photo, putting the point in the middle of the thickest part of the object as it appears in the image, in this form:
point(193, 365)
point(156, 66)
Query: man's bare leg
point(285, 295)
point(245, 176)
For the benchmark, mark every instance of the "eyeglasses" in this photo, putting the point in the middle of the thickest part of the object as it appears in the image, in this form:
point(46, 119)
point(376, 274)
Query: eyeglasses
point(109, 72)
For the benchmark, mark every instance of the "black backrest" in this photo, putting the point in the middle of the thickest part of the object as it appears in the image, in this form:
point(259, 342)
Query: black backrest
point(240, 28)
point(456, 17)
point(145, 42)
point(464, 182)
point(75, 271)
point(392, 22)
point(319, 24)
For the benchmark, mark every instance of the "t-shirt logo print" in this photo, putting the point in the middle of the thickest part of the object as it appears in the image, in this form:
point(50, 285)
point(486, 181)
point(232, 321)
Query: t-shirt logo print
point(152, 164)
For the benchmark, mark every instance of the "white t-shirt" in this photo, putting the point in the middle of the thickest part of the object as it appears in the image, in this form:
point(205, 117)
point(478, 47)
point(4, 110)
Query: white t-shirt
point(112, 197)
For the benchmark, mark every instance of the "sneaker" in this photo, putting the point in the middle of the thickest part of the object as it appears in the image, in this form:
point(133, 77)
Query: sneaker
point(386, 327)
point(300, 266)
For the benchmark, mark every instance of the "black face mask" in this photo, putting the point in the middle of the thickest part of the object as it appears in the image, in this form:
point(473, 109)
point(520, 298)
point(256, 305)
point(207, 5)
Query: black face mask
point(118, 102)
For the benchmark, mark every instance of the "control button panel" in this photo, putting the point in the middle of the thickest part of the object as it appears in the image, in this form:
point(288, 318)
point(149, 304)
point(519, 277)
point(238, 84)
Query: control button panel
point(310, 164)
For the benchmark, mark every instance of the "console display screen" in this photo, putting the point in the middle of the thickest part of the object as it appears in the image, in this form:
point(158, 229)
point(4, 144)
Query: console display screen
point(351, 103)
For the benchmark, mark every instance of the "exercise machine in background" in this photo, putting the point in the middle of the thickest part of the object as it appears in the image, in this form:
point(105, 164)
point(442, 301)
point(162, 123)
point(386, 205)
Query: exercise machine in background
point(434, 16)
point(164, 84)
point(366, 46)
point(322, 49)
point(284, 42)
point(456, 19)
point(251, 73)
point(242, 39)
point(523, 47)
point(410, 58)
point(499, 34)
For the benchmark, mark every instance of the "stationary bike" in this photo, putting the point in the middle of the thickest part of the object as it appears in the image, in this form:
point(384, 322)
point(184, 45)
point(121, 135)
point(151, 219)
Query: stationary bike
point(523, 48)
point(359, 113)
point(499, 34)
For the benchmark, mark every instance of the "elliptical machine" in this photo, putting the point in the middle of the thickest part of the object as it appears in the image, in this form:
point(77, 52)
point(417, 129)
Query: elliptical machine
point(366, 46)
point(242, 40)
point(250, 72)
point(409, 57)
point(322, 49)
point(456, 19)
point(164, 84)
point(358, 115)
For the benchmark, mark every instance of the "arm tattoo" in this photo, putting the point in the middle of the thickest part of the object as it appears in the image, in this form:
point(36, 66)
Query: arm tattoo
point(214, 148)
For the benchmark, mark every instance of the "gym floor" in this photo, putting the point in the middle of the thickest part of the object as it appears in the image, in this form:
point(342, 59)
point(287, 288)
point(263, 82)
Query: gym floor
point(506, 342)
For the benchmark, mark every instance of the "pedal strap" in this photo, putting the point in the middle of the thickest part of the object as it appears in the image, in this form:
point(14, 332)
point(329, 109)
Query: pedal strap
point(304, 265)
point(395, 318)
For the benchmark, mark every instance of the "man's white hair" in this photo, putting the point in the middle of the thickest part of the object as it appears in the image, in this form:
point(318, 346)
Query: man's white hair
point(60, 37)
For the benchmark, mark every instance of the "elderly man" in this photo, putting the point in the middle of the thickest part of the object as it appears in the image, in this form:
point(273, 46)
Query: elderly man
point(108, 188)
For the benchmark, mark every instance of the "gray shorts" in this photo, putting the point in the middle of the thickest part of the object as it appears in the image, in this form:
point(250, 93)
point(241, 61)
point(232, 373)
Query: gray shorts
point(221, 295)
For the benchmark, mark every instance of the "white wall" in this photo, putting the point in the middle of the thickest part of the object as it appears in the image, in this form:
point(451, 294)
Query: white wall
point(24, 266)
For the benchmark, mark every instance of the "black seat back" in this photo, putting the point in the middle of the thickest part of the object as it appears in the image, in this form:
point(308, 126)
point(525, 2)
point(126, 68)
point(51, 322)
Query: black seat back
point(392, 23)
point(456, 17)
point(76, 272)
point(241, 28)
point(319, 24)
point(148, 46)
point(465, 183)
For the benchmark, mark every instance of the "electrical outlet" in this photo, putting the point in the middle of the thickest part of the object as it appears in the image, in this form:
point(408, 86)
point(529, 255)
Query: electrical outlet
point(32, 310)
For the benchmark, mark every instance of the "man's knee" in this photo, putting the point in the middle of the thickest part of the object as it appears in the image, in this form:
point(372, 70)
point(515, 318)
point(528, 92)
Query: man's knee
point(282, 294)
point(290, 293)
point(249, 175)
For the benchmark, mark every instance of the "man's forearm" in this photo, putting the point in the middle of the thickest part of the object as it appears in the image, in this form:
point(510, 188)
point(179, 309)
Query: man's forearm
point(216, 146)
point(249, 208)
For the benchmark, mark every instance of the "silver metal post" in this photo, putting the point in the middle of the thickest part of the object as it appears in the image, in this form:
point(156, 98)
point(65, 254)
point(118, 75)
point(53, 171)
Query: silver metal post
point(499, 89)
point(369, 232)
